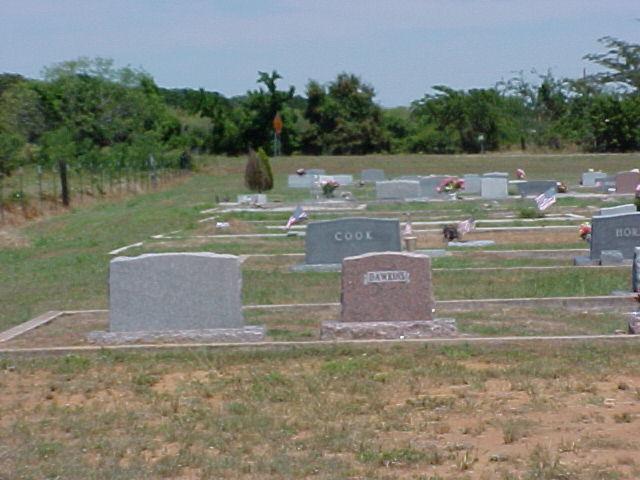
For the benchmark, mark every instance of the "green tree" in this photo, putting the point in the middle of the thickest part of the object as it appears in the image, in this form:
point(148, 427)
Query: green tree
point(260, 107)
point(343, 118)
point(254, 175)
point(265, 166)
point(10, 145)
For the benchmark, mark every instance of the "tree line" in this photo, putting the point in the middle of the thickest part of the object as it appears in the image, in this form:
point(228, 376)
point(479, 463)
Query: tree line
point(88, 114)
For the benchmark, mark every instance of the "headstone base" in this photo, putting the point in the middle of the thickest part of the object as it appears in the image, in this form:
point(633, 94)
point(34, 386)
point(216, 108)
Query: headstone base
point(438, 252)
point(318, 267)
point(633, 324)
point(473, 243)
point(441, 327)
point(584, 261)
point(250, 333)
point(611, 257)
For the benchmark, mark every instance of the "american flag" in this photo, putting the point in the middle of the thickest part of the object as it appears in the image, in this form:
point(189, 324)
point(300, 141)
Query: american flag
point(297, 216)
point(466, 226)
point(546, 199)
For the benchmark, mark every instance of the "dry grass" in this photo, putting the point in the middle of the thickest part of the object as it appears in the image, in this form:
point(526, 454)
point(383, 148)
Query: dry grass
point(341, 412)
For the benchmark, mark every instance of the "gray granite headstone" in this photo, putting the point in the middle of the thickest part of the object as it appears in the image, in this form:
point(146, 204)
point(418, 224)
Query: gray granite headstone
point(329, 241)
point(589, 179)
point(535, 187)
point(372, 175)
point(494, 187)
point(472, 184)
point(175, 291)
point(628, 208)
point(615, 232)
point(397, 189)
point(635, 271)
point(300, 181)
point(496, 175)
point(428, 186)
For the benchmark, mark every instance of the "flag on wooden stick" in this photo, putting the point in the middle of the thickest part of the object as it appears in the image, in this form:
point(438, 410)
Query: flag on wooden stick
point(298, 215)
point(546, 199)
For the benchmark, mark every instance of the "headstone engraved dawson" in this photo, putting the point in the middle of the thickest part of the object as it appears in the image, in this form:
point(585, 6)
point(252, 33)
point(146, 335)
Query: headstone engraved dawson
point(328, 242)
point(387, 295)
point(615, 232)
point(176, 296)
point(626, 182)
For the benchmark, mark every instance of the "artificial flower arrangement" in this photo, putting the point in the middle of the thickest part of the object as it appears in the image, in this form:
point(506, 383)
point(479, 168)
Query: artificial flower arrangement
point(328, 187)
point(585, 231)
point(450, 185)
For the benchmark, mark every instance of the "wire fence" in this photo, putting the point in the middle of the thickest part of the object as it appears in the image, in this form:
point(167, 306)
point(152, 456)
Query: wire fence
point(36, 190)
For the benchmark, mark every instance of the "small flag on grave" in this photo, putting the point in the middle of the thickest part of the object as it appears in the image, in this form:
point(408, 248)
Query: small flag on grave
point(546, 199)
point(298, 216)
point(466, 226)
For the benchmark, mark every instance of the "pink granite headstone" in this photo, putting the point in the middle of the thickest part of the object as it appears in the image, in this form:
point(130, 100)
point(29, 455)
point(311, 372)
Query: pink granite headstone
point(387, 287)
point(626, 182)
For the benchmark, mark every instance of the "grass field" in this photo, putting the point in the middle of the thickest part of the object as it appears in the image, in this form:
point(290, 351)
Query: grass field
point(509, 412)
point(550, 411)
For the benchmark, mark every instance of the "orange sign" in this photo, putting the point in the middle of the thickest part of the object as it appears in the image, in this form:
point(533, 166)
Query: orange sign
point(277, 124)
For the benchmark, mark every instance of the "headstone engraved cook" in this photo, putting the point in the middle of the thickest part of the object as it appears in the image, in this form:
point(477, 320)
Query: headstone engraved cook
point(176, 295)
point(330, 241)
point(387, 295)
point(615, 232)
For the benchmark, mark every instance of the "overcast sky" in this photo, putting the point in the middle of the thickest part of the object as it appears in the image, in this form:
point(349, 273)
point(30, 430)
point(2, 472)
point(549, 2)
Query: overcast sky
point(401, 47)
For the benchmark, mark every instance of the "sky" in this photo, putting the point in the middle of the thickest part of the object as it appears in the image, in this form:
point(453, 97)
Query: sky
point(401, 47)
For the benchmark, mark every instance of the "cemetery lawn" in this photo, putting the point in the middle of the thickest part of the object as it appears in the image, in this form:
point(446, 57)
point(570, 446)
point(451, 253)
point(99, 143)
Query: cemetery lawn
point(61, 262)
point(523, 411)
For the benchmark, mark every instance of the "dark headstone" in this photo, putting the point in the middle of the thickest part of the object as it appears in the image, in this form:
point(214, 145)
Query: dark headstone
point(635, 270)
point(535, 187)
point(330, 241)
point(615, 232)
point(626, 182)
